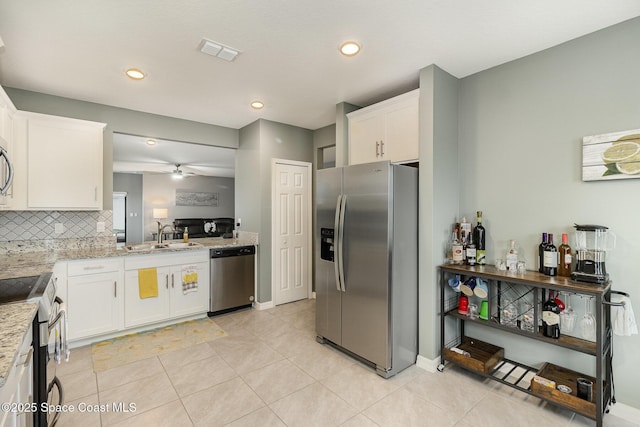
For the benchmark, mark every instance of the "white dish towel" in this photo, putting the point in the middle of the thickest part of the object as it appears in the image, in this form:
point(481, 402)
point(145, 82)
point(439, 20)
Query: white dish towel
point(622, 318)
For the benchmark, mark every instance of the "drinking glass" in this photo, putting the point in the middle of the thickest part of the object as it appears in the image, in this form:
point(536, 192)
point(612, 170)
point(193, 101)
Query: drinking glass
point(567, 316)
point(588, 323)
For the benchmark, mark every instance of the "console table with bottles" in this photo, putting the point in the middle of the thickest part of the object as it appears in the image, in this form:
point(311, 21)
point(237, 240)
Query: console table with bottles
point(529, 288)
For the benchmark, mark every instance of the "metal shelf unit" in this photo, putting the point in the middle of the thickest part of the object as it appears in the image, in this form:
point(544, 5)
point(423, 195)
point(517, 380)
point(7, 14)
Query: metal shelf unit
point(536, 284)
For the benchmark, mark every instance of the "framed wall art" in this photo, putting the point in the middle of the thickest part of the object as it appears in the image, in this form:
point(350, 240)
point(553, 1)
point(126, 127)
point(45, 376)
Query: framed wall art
point(611, 156)
point(196, 198)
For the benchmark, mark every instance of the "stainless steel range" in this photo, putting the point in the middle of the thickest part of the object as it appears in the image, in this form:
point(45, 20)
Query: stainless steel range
point(49, 339)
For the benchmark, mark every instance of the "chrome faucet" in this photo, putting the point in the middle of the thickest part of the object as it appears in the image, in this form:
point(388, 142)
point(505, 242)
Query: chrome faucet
point(161, 230)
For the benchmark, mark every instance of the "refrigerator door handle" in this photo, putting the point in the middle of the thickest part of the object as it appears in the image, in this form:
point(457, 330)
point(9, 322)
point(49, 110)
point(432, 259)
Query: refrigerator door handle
point(337, 253)
point(343, 212)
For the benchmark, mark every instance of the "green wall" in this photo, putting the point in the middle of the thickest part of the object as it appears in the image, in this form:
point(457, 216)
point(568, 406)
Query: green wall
point(260, 142)
point(520, 149)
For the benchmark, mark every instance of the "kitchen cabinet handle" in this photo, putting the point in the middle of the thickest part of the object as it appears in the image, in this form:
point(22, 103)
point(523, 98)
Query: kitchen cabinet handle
point(95, 194)
point(115, 289)
point(172, 280)
point(94, 267)
point(377, 152)
point(166, 276)
point(381, 148)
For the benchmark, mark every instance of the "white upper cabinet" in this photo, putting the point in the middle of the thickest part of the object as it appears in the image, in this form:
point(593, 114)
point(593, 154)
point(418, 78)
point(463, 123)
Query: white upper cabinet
point(64, 163)
point(385, 131)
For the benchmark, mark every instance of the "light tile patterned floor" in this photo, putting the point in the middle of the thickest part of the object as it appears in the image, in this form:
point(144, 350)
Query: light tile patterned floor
point(269, 371)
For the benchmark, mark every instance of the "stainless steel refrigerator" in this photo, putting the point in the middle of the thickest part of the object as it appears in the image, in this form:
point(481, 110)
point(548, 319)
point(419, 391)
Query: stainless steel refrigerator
point(366, 263)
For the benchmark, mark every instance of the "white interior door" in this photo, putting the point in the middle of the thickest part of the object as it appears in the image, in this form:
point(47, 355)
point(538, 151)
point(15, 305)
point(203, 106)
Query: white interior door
point(291, 260)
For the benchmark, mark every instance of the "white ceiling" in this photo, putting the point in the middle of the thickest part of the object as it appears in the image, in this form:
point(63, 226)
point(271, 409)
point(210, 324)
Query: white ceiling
point(132, 154)
point(289, 57)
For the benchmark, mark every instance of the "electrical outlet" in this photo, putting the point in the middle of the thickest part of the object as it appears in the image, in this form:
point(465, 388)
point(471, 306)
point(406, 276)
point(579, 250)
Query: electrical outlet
point(239, 222)
point(59, 228)
point(100, 227)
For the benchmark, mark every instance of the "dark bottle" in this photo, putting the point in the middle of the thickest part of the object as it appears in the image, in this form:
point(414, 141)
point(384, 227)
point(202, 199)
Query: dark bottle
point(551, 317)
point(471, 251)
point(564, 268)
point(541, 253)
point(550, 258)
point(479, 237)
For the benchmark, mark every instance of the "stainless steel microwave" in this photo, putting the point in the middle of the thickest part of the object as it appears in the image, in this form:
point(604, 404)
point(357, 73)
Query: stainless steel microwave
point(6, 168)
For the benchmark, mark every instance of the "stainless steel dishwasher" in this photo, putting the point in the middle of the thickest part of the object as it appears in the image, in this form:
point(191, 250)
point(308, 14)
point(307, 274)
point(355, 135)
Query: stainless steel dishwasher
point(232, 279)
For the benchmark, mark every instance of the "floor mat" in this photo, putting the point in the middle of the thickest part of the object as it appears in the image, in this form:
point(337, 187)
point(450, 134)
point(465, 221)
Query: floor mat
point(133, 347)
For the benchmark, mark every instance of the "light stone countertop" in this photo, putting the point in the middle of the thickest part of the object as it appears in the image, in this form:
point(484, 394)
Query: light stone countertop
point(21, 264)
point(16, 319)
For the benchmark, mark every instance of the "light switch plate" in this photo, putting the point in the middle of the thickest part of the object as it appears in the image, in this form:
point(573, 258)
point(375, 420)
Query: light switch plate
point(59, 228)
point(100, 227)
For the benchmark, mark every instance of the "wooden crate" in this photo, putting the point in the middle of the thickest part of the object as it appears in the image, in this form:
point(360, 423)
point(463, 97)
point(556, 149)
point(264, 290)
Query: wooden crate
point(483, 356)
point(564, 376)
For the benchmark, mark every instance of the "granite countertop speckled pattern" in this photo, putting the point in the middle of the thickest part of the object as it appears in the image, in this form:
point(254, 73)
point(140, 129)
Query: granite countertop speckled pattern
point(35, 263)
point(16, 319)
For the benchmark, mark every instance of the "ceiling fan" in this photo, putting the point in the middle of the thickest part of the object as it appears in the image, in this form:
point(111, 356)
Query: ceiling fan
point(178, 173)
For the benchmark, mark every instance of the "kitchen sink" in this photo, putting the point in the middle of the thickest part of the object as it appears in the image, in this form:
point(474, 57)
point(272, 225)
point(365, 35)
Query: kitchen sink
point(144, 247)
point(182, 245)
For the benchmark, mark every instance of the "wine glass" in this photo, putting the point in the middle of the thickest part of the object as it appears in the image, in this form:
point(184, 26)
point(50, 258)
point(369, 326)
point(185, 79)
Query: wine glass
point(588, 323)
point(567, 316)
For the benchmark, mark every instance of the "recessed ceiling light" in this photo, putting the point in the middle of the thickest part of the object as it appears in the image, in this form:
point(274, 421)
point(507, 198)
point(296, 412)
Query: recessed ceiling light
point(135, 74)
point(151, 142)
point(257, 105)
point(349, 48)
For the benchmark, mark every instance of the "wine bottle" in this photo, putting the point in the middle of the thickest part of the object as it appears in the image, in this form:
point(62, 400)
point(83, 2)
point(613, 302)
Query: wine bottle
point(471, 251)
point(541, 253)
point(551, 318)
point(479, 236)
point(550, 258)
point(457, 252)
point(564, 269)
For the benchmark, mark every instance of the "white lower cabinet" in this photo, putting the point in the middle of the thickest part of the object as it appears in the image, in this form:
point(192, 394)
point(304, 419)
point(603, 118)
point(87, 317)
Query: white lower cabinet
point(103, 294)
point(94, 297)
point(17, 390)
point(172, 301)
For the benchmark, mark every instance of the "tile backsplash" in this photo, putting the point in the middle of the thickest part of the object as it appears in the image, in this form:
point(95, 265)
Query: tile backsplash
point(41, 225)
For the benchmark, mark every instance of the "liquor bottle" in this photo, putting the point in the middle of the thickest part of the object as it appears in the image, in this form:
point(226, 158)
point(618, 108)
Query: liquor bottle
point(541, 252)
point(512, 256)
point(551, 317)
point(565, 257)
point(471, 251)
point(457, 250)
point(479, 236)
point(550, 258)
point(465, 231)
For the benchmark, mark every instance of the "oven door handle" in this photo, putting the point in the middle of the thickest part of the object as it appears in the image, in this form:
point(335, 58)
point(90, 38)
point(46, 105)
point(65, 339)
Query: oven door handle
point(61, 319)
point(56, 382)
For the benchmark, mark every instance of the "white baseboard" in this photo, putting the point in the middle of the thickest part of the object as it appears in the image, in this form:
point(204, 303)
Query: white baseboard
point(263, 305)
point(428, 365)
point(626, 412)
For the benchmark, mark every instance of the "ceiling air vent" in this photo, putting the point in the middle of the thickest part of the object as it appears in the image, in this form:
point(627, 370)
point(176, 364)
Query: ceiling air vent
point(218, 50)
